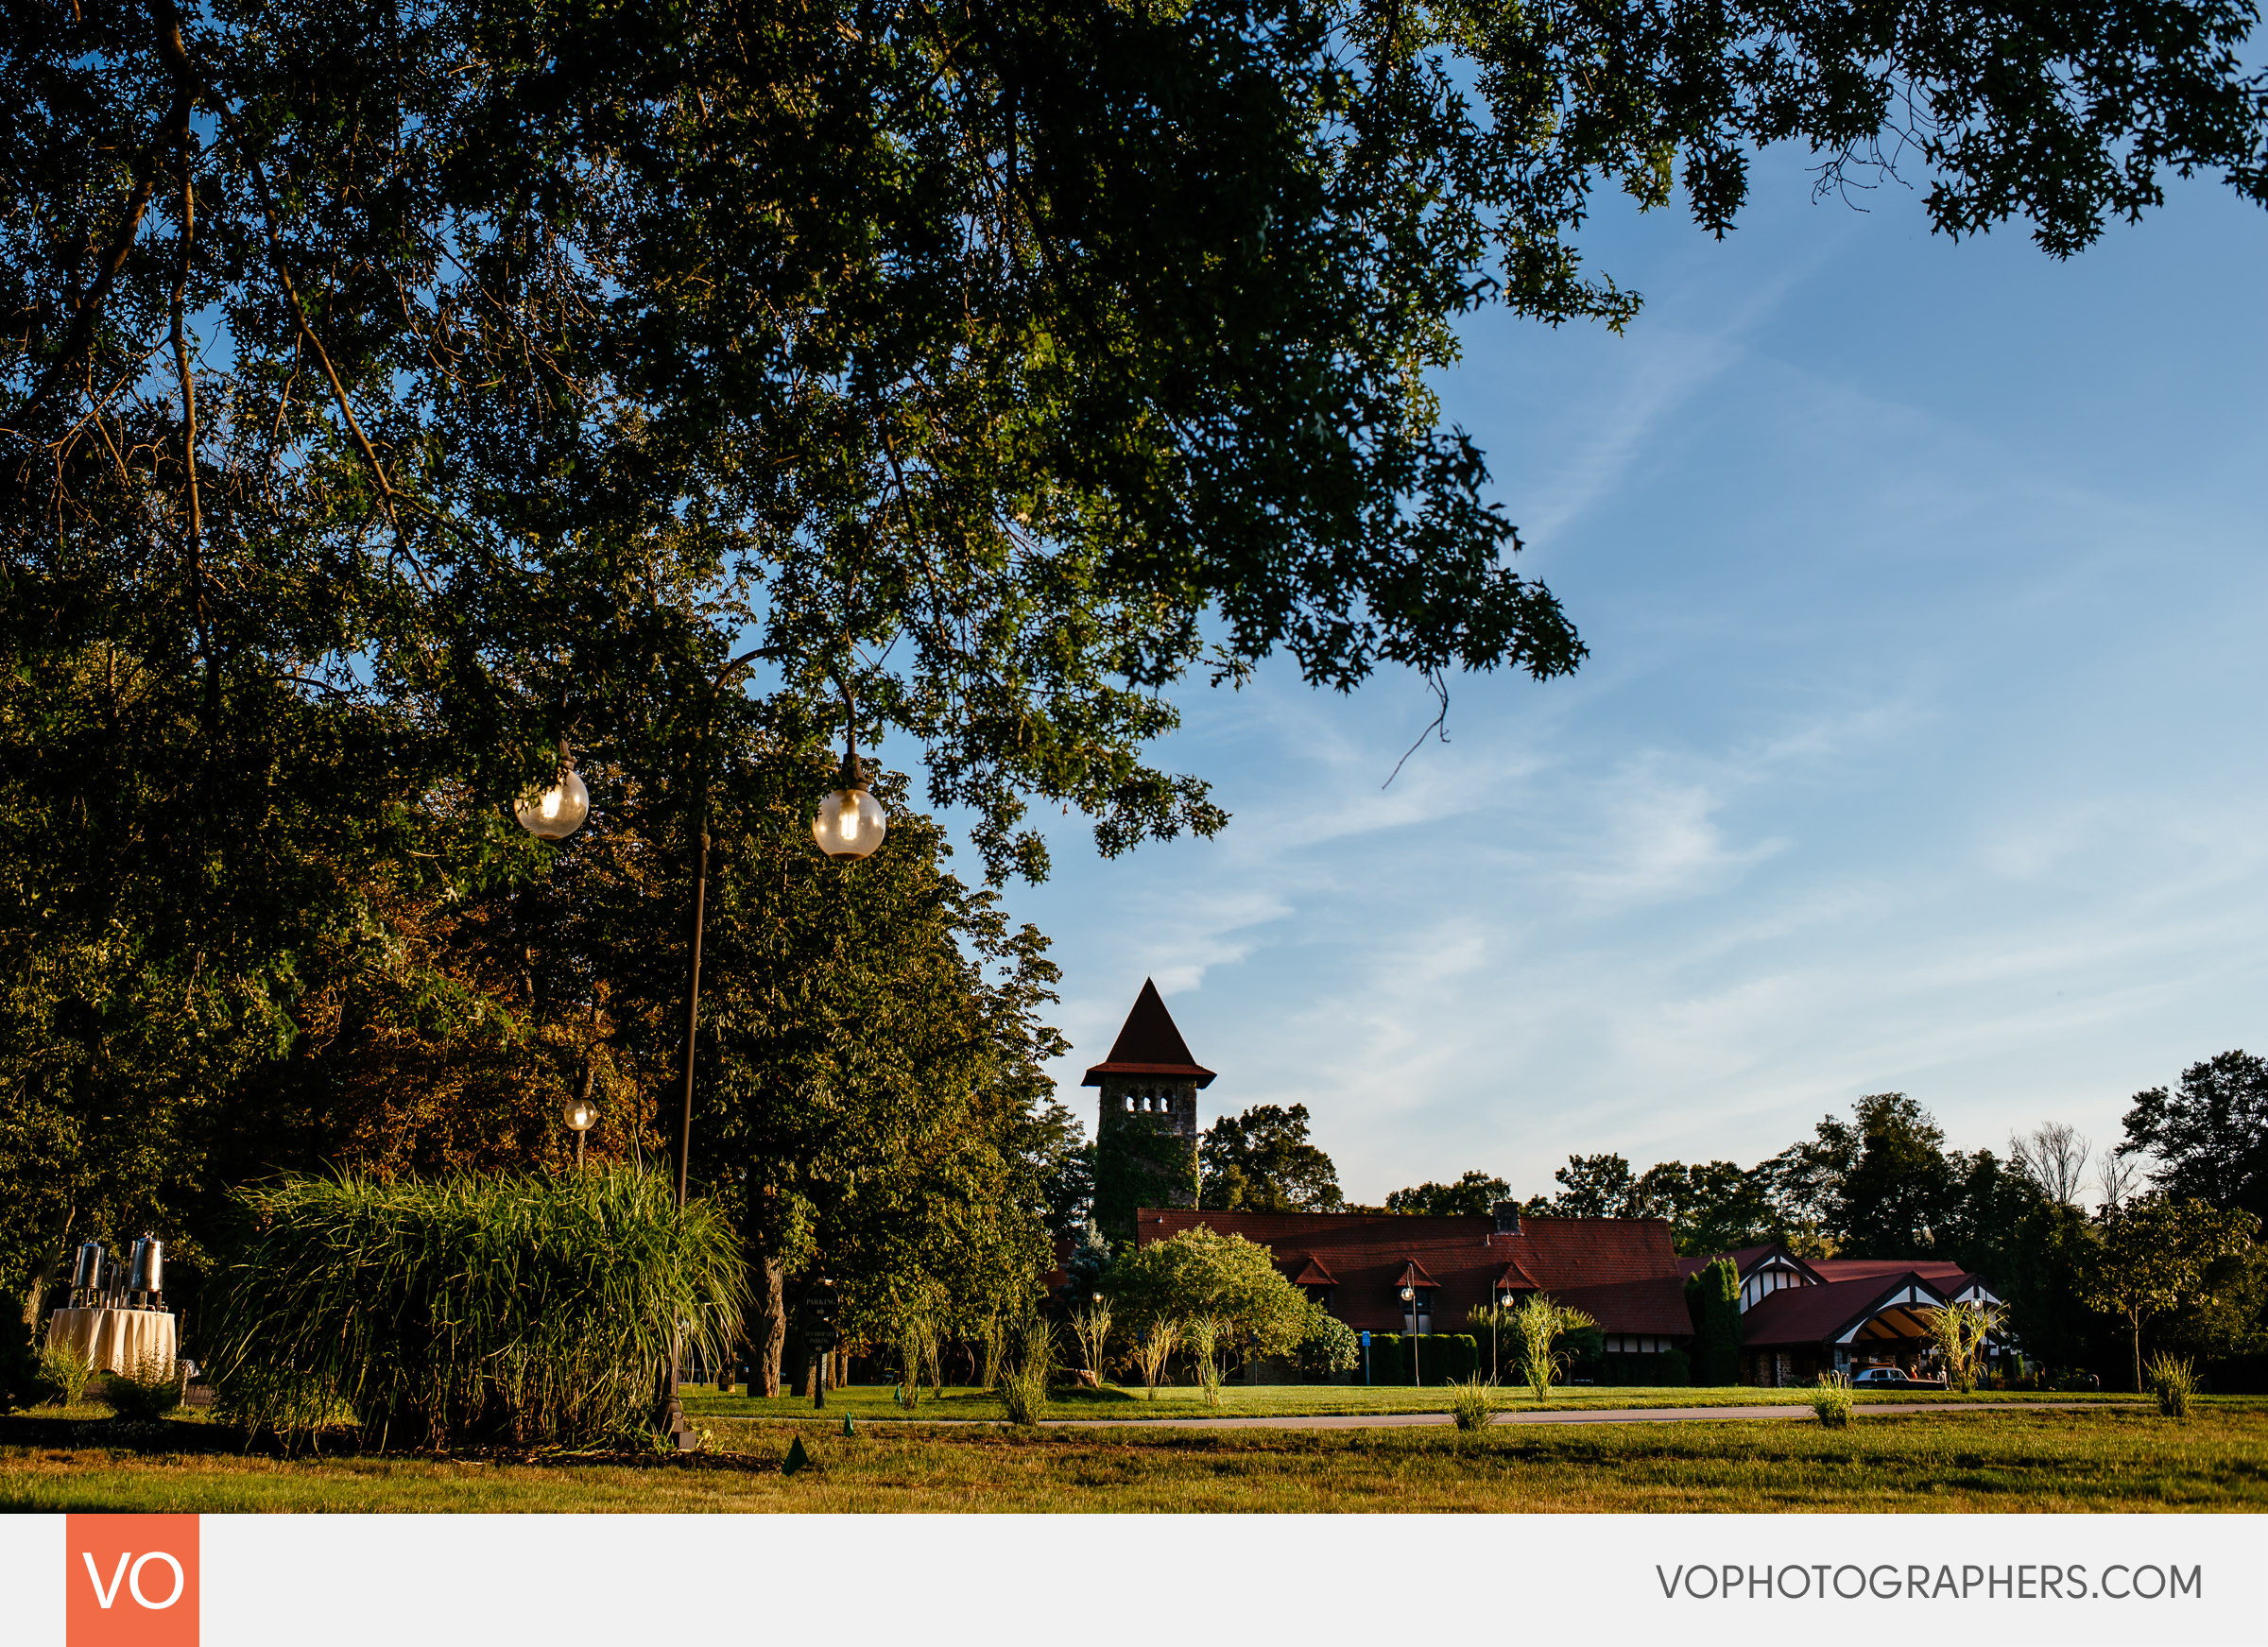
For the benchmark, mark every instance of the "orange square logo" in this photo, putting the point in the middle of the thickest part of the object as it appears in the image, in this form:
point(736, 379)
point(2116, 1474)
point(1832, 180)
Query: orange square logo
point(130, 1581)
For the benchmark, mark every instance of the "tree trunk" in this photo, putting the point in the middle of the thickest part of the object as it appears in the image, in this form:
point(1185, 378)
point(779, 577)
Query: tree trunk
point(765, 1327)
point(2137, 1355)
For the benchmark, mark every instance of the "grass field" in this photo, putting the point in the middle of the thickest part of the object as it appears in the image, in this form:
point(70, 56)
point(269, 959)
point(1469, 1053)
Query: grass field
point(2116, 1458)
point(870, 1402)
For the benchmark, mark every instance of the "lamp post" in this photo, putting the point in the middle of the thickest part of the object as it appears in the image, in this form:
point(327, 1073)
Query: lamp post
point(1409, 1299)
point(1503, 1302)
point(582, 1115)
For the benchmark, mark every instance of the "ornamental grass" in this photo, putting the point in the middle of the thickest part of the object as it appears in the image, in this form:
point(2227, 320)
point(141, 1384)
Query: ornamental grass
point(529, 1311)
point(2174, 1380)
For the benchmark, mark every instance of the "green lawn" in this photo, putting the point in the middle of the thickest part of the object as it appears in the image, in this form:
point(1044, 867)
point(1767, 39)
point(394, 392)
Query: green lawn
point(869, 1401)
point(2111, 1458)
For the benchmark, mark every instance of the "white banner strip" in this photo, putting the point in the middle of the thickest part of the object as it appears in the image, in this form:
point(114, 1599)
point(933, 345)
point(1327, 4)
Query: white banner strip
point(1143, 1581)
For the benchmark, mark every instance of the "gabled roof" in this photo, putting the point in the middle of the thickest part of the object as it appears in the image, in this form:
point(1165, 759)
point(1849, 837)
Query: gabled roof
point(1823, 1314)
point(1149, 1044)
point(1746, 1260)
point(1314, 1275)
point(1413, 1275)
point(1515, 1279)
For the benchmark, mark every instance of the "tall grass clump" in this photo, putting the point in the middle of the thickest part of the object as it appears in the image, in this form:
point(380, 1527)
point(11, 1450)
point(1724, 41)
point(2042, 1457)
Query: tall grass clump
point(1023, 1386)
point(1203, 1335)
point(466, 1309)
point(915, 1335)
point(1831, 1400)
point(1469, 1402)
point(2173, 1382)
point(1538, 1326)
point(64, 1371)
point(1152, 1349)
point(1091, 1326)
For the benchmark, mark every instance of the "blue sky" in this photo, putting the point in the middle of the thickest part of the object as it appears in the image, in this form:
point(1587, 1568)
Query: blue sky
point(1919, 747)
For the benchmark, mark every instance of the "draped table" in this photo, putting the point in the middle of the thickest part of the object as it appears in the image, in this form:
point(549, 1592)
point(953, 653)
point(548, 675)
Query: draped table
point(119, 1340)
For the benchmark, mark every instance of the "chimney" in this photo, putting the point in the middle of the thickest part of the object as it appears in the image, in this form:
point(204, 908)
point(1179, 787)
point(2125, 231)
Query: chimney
point(1507, 1217)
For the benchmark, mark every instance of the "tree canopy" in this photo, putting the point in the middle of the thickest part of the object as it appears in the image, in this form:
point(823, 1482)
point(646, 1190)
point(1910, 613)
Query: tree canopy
point(2206, 1139)
point(1473, 1196)
point(1262, 1161)
point(1198, 1271)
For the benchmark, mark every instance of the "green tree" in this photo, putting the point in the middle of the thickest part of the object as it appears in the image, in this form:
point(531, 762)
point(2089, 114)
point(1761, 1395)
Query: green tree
point(2207, 1139)
point(1712, 1298)
point(1712, 1206)
point(1596, 1187)
point(1473, 1196)
point(1262, 1161)
point(1897, 1190)
point(2158, 1259)
point(1197, 1273)
point(394, 395)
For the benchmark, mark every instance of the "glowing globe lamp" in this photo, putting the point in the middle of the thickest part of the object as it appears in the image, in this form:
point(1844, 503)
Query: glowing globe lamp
point(850, 823)
point(554, 813)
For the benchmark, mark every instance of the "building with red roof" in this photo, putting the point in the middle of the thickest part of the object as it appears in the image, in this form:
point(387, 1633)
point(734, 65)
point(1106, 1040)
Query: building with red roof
point(1385, 1271)
point(1622, 1272)
point(1801, 1317)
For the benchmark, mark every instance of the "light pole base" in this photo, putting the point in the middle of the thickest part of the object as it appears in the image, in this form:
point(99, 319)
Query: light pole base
point(677, 1435)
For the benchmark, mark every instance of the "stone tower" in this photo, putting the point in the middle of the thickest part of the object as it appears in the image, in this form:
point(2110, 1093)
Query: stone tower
point(1147, 1133)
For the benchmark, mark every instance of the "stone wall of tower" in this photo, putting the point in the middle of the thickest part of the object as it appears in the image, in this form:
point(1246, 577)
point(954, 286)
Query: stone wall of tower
point(1146, 1148)
point(1171, 1105)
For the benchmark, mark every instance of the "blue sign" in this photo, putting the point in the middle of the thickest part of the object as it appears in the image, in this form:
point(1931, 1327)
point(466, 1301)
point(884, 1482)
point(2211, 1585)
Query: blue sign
point(1366, 1338)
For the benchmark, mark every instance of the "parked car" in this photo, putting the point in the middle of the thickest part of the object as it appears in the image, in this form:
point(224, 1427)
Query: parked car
point(1890, 1378)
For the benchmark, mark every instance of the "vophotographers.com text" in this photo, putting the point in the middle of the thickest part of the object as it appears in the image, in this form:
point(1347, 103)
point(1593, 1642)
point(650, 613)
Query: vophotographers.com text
point(1889, 1580)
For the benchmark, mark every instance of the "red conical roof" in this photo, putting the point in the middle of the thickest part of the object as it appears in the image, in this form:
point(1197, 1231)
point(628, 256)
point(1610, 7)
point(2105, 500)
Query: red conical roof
point(1149, 1045)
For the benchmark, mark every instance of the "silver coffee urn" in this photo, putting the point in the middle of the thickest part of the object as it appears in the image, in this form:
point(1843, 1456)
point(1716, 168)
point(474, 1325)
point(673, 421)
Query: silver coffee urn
point(86, 1277)
point(146, 1278)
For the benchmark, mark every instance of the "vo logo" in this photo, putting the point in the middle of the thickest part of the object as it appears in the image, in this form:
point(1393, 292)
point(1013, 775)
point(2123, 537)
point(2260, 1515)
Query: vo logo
point(130, 1581)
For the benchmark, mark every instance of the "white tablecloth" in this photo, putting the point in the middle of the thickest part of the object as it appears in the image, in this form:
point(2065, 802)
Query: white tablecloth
point(116, 1340)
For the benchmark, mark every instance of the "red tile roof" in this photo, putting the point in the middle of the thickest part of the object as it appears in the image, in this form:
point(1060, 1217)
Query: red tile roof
point(1315, 1275)
point(1464, 1258)
point(1655, 1305)
point(1851, 1269)
point(1149, 1043)
point(1820, 1313)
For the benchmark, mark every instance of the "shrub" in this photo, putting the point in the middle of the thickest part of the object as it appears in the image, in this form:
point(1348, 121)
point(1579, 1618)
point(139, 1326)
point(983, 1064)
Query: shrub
point(1388, 1365)
point(1831, 1400)
point(1330, 1347)
point(1232, 1281)
point(466, 1309)
point(1712, 1298)
point(1024, 1388)
point(2173, 1382)
point(24, 1378)
point(149, 1390)
point(1470, 1402)
point(1673, 1367)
